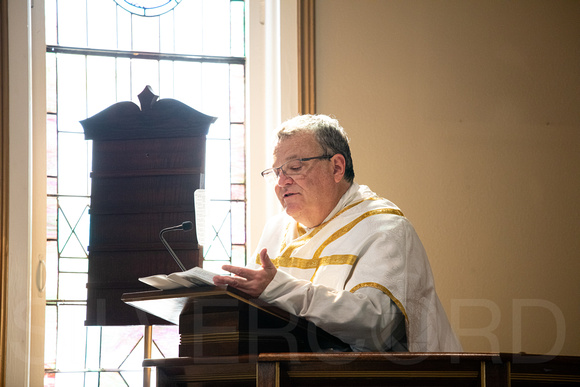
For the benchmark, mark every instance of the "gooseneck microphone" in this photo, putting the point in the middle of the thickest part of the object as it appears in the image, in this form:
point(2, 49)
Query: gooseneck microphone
point(185, 226)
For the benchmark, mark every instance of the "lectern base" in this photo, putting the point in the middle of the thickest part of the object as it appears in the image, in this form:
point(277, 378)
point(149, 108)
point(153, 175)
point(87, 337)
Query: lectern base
point(234, 371)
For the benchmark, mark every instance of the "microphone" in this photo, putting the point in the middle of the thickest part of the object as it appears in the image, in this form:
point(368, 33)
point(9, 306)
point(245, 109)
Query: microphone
point(185, 226)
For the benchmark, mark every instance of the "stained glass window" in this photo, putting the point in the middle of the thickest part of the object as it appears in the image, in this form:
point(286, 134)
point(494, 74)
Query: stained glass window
point(98, 54)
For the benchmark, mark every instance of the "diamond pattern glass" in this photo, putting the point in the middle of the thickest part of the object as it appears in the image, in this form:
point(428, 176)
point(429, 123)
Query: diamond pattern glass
point(82, 80)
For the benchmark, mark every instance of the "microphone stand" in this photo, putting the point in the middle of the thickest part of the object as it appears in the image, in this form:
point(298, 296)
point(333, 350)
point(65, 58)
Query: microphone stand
point(185, 226)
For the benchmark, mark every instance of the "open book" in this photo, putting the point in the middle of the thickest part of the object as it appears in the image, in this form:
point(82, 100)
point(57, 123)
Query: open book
point(182, 279)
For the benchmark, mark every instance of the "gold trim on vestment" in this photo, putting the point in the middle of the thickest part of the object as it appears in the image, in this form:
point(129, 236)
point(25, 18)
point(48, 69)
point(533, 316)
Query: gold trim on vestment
point(301, 241)
point(384, 290)
point(342, 231)
point(305, 264)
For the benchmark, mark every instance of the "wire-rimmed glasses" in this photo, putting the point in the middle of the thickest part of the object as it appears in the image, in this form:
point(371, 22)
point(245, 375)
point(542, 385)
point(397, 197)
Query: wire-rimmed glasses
point(291, 168)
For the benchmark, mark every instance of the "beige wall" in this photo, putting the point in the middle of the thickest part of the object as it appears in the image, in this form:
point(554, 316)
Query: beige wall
point(467, 115)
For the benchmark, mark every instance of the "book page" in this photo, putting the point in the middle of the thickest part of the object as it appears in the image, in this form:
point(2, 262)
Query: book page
point(196, 275)
point(161, 281)
point(181, 279)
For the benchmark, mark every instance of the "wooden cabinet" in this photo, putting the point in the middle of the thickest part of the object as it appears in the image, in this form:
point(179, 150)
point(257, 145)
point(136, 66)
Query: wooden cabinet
point(147, 164)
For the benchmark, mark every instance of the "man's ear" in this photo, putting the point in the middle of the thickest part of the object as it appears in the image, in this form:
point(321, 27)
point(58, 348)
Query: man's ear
point(339, 165)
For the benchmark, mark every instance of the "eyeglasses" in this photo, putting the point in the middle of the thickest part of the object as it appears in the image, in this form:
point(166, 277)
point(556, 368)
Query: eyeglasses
point(290, 168)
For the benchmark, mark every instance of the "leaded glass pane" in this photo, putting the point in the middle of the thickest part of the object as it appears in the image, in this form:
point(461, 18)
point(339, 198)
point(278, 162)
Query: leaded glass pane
point(73, 226)
point(51, 270)
point(148, 7)
point(216, 27)
point(239, 255)
point(145, 34)
point(72, 104)
point(93, 349)
point(189, 89)
point(237, 91)
point(51, 83)
point(188, 27)
point(238, 222)
point(124, 36)
point(119, 343)
point(72, 286)
point(123, 79)
point(101, 13)
point(129, 378)
point(238, 44)
point(51, 145)
point(238, 170)
point(74, 265)
point(74, 164)
point(50, 22)
point(166, 78)
point(50, 325)
point(219, 234)
point(217, 170)
point(51, 221)
point(69, 379)
point(238, 192)
point(165, 341)
point(92, 379)
point(88, 82)
point(166, 35)
point(101, 83)
point(143, 72)
point(71, 338)
point(72, 26)
point(216, 97)
point(51, 186)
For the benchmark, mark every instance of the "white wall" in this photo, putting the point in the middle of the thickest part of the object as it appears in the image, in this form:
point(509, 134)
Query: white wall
point(466, 114)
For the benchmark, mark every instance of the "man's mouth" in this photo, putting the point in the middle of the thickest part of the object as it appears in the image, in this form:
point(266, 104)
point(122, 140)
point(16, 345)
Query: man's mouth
point(288, 194)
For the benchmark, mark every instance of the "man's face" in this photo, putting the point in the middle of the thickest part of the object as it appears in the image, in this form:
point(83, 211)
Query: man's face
point(310, 196)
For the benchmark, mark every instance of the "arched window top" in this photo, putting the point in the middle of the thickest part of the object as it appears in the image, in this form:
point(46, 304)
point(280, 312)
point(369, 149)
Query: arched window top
point(148, 7)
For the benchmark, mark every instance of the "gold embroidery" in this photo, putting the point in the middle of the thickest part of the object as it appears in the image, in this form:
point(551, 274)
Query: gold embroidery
point(286, 260)
point(349, 226)
point(384, 290)
point(301, 241)
point(305, 264)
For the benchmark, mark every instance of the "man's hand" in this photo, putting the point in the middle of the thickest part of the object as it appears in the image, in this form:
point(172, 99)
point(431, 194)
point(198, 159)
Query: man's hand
point(250, 281)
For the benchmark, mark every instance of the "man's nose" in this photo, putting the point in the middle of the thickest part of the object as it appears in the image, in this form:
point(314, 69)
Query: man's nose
point(283, 179)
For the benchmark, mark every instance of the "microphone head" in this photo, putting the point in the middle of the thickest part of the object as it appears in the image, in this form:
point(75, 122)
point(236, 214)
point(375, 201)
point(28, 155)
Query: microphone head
point(187, 225)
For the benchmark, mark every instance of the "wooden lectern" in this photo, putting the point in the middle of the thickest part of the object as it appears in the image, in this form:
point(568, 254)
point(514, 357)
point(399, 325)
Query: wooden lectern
point(231, 339)
point(220, 321)
point(223, 331)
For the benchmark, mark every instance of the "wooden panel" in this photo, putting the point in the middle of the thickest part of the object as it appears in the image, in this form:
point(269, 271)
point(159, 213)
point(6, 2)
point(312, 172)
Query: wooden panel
point(149, 154)
point(132, 194)
point(139, 231)
point(416, 369)
point(140, 263)
point(215, 321)
point(147, 165)
point(232, 371)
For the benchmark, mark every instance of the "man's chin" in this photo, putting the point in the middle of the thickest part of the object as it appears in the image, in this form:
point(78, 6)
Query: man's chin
point(292, 211)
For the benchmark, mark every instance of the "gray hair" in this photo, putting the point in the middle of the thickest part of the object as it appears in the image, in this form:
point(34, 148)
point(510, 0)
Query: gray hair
point(327, 132)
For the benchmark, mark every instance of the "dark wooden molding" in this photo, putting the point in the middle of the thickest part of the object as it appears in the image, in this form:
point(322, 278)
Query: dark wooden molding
point(3, 182)
point(306, 62)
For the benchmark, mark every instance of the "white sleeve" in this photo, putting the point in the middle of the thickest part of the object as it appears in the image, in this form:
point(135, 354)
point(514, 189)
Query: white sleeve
point(367, 319)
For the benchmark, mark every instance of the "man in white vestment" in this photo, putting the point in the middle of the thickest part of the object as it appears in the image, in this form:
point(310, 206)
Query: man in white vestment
point(339, 255)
